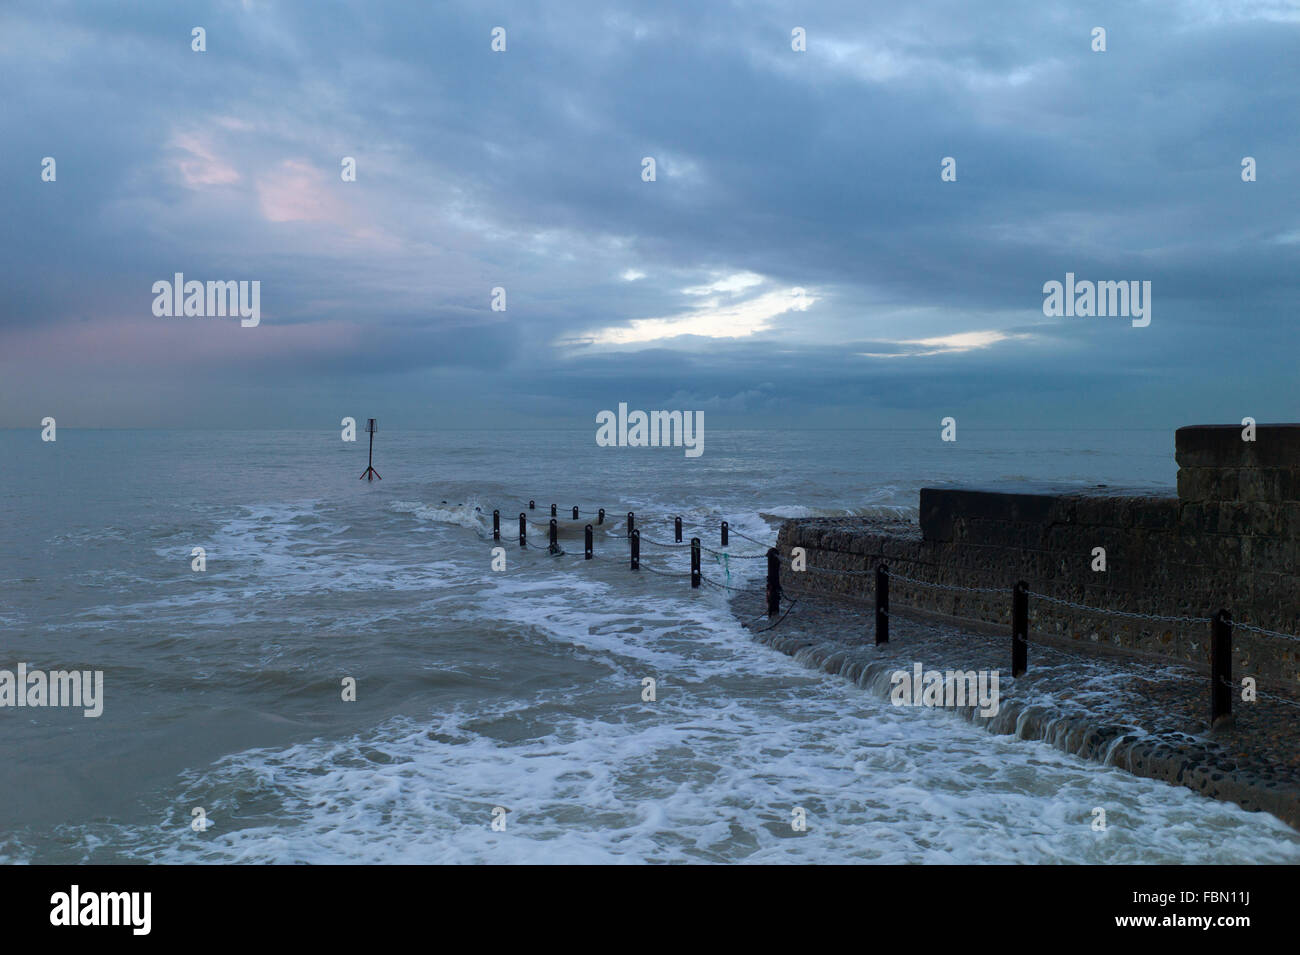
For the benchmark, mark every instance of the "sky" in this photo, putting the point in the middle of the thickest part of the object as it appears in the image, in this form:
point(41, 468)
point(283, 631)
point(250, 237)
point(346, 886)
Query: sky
point(797, 261)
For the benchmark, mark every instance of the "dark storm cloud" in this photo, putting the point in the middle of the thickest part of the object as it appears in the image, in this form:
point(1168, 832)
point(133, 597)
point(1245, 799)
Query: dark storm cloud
point(777, 170)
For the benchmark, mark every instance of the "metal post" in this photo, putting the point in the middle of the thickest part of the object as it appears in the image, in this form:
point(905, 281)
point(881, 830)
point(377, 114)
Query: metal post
point(496, 525)
point(532, 505)
point(600, 516)
point(636, 550)
point(523, 530)
point(553, 510)
point(725, 527)
point(882, 604)
point(554, 547)
point(695, 560)
point(575, 513)
point(1019, 628)
point(370, 473)
point(1220, 666)
point(631, 523)
point(677, 529)
point(773, 582)
point(588, 554)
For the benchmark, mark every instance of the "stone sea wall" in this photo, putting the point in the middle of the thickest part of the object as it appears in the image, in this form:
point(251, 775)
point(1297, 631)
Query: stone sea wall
point(1227, 538)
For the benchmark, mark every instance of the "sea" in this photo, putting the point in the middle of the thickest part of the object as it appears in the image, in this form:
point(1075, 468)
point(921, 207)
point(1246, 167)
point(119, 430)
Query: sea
point(352, 674)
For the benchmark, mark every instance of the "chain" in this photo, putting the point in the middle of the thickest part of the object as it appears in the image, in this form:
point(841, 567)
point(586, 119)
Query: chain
point(1269, 633)
point(722, 586)
point(829, 570)
point(662, 573)
point(707, 550)
point(926, 583)
point(1118, 613)
point(724, 553)
point(779, 619)
point(1277, 699)
point(1261, 694)
point(903, 577)
point(956, 588)
point(547, 548)
point(651, 540)
point(748, 538)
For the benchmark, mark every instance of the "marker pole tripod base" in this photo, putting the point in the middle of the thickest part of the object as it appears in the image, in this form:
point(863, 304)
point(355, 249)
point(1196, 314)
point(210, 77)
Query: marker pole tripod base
point(371, 427)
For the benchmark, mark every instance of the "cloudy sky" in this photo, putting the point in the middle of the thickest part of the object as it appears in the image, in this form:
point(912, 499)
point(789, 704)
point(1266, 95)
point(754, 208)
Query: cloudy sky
point(797, 262)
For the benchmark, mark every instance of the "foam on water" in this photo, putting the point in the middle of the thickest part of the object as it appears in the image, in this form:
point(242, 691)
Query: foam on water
point(893, 511)
point(519, 689)
point(469, 514)
point(700, 784)
point(738, 737)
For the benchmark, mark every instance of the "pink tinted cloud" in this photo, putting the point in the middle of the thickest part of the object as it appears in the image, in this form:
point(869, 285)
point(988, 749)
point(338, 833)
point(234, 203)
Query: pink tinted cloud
point(200, 166)
point(296, 191)
point(176, 343)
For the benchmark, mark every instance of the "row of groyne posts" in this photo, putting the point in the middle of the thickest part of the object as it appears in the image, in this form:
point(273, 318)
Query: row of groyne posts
point(1221, 624)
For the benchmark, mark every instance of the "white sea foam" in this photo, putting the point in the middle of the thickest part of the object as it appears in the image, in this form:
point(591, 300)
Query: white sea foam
point(712, 783)
point(739, 736)
point(533, 693)
point(464, 515)
point(890, 511)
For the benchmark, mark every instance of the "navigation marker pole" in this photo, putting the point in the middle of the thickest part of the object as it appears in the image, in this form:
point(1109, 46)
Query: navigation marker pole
point(370, 472)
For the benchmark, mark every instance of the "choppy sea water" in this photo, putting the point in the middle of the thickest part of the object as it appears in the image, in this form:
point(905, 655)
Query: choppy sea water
point(519, 689)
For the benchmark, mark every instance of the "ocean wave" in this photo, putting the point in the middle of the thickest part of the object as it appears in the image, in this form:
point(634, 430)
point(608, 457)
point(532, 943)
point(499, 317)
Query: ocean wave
point(469, 514)
point(882, 511)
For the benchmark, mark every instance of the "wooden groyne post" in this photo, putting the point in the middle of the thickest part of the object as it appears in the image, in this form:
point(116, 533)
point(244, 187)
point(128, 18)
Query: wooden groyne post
point(882, 604)
point(1220, 666)
point(1019, 628)
point(773, 582)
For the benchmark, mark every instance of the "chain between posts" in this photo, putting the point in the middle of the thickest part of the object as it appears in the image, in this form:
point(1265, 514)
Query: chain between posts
point(1120, 613)
point(776, 594)
point(1270, 633)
